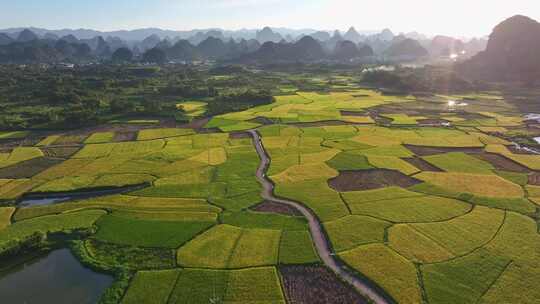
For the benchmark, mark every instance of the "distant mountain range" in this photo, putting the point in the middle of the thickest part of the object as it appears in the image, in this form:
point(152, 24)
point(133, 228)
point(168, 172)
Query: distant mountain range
point(140, 34)
point(266, 45)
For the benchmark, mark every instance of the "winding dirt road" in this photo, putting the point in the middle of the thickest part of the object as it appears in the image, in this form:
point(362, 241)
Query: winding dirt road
point(319, 237)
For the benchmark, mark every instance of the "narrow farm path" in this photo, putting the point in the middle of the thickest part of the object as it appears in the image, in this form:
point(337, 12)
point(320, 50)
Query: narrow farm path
point(320, 240)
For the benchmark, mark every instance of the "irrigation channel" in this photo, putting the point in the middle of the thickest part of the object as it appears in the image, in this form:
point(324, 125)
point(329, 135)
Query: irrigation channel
point(320, 240)
point(41, 199)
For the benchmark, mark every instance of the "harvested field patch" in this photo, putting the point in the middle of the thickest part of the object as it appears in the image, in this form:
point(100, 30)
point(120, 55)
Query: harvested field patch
point(534, 179)
point(353, 113)
point(370, 179)
point(426, 151)
point(432, 122)
point(195, 124)
point(273, 207)
point(262, 121)
point(125, 136)
point(422, 164)
point(60, 152)
point(316, 285)
point(239, 135)
point(70, 139)
point(502, 163)
point(29, 168)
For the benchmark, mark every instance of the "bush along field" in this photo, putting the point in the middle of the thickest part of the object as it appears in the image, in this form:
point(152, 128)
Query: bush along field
point(427, 212)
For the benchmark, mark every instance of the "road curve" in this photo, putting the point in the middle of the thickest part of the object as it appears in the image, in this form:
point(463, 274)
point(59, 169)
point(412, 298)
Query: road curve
point(322, 244)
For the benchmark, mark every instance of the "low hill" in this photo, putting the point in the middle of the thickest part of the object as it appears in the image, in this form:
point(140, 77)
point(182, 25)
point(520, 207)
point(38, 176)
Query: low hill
point(512, 54)
point(406, 49)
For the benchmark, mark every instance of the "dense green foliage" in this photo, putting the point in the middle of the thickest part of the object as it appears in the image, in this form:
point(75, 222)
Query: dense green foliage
point(36, 97)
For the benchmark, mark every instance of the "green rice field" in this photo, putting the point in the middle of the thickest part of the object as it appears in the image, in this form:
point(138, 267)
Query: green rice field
point(427, 214)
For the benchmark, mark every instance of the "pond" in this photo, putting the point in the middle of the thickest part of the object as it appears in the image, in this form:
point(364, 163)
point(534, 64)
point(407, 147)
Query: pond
point(57, 277)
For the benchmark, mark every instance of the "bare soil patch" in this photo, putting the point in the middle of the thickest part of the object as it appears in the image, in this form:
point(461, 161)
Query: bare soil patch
point(471, 116)
point(359, 180)
point(208, 130)
point(534, 179)
point(239, 135)
point(29, 168)
point(425, 151)
point(120, 136)
point(273, 207)
point(432, 122)
point(385, 121)
point(13, 143)
point(195, 124)
point(502, 163)
point(422, 164)
point(123, 127)
point(71, 139)
point(391, 109)
point(262, 120)
point(321, 123)
point(316, 285)
point(353, 113)
point(360, 95)
point(60, 152)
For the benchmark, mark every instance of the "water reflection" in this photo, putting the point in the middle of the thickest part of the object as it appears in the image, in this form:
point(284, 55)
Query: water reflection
point(57, 277)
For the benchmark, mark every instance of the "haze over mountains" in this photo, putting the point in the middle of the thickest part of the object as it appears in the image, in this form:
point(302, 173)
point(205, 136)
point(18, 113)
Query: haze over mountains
point(266, 45)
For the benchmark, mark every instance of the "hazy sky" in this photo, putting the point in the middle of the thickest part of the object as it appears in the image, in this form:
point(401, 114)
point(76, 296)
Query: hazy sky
point(453, 17)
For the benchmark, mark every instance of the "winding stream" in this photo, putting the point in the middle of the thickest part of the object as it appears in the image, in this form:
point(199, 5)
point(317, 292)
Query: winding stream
point(320, 240)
